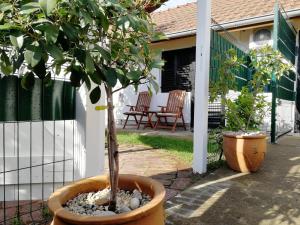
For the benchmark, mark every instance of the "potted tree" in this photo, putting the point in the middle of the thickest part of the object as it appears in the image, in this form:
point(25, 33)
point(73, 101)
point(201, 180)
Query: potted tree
point(99, 43)
point(244, 145)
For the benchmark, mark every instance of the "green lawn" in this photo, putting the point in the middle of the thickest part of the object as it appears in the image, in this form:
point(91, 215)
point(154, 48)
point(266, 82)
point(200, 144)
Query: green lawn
point(179, 147)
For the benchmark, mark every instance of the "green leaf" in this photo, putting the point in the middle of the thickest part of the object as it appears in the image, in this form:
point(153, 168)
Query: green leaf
point(95, 95)
point(111, 77)
point(47, 5)
point(17, 40)
point(70, 30)
point(33, 54)
point(55, 52)
point(77, 74)
point(8, 26)
point(104, 53)
point(5, 7)
point(5, 65)
point(51, 32)
point(157, 64)
point(155, 85)
point(86, 17)
point(134, 50)
point(28, 81)
point(87, 82)
point(47, 80)
point(18, 62)
point(89, 63)
point(96, 77)
point(30, 8)
point(159, 36)
point(134, 75)
point(104, 23)
point(40, 69)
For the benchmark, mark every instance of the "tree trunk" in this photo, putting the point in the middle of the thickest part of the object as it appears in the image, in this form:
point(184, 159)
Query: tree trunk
point(113, 154)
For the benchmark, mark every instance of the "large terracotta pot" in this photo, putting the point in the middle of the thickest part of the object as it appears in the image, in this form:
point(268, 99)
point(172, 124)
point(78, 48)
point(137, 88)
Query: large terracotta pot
point(149, 214)
point(244, 153)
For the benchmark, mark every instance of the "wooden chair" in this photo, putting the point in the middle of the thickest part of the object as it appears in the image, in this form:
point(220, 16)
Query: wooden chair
point(141, 108)
point(173, 109)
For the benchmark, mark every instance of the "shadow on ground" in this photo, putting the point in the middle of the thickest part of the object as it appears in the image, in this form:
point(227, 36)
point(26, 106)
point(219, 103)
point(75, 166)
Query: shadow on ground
point(269, 197)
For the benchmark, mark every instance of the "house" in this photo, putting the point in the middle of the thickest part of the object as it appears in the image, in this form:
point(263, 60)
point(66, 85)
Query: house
point(246, 23)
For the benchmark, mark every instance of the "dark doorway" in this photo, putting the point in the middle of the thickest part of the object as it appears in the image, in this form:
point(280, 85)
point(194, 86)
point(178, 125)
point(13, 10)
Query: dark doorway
point(179, 73)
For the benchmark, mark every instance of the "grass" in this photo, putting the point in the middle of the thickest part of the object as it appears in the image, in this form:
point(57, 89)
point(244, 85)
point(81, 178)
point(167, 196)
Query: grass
point(181, 148)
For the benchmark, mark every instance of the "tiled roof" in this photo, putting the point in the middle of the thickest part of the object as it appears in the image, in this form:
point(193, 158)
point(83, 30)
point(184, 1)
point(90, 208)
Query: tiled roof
point(183, 18)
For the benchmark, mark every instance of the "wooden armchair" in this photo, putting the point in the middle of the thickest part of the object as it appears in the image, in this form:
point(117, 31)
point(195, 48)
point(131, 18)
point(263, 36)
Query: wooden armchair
point(140, 109)
point(173, 109)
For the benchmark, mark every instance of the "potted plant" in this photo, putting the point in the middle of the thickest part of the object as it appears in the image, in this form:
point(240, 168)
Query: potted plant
point(96, 43)
point(244, 144)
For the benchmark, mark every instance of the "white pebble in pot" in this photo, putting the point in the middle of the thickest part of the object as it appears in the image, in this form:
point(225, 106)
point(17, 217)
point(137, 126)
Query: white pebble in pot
point(134, 203)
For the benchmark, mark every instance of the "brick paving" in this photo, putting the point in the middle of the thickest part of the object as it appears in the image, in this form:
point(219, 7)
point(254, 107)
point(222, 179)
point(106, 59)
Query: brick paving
point(174, 174)
point(269, 197)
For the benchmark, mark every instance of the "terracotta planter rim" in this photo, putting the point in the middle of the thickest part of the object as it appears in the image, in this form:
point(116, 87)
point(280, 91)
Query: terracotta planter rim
point(239, 136)
point(55, 205)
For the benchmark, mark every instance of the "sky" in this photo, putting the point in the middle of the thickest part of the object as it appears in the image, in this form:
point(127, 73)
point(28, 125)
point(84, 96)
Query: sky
point(173, 3)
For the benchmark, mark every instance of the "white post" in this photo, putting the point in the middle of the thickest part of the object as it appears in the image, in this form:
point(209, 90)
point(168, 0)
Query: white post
point(89, 155)
point(201, 86)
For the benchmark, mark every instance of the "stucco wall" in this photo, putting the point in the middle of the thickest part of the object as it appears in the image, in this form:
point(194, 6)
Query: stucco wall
point(129, 97)
point(244, 38)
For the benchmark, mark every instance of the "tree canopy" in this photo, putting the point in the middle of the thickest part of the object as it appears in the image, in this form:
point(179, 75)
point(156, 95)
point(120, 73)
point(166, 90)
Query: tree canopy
point(99, 41)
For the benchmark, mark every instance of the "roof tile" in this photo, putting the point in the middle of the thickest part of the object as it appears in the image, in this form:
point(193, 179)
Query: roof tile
point(184, 18)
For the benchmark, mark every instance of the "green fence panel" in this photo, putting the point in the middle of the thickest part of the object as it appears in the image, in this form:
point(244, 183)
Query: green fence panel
point(30, 102)
point(69, 101)
point(43, 102)
point(286, 38)
point(8, 96)
point(220, 45)
point(285, 94)
point(54, 101)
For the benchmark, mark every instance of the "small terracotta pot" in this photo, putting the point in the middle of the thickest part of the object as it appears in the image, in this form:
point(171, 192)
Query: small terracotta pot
point(150, 214)
point(244, 153)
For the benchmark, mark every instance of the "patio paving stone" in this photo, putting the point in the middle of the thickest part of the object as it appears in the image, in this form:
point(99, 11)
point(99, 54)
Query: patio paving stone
point(270, 196)
point(165, 168)
point(181, 183)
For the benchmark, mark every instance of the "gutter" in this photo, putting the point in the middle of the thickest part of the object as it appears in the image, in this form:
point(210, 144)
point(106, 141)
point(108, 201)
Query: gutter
point(235, 24)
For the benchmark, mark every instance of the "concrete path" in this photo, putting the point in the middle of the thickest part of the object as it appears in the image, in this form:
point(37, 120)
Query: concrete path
point(268, 197)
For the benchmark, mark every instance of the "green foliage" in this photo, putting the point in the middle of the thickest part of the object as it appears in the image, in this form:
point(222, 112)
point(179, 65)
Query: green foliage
point(267, 64)
point(46, 213)
point(96, 41)
point(181, 148)
point(248, 110)
point(17, 220)
point(230, 65)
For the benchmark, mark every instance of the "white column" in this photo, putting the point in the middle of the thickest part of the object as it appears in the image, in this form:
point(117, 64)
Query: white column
point(201, 86)
point(90, 137)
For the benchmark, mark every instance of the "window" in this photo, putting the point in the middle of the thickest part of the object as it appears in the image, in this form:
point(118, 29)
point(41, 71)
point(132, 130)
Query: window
point(262, 36)
point(179, 70)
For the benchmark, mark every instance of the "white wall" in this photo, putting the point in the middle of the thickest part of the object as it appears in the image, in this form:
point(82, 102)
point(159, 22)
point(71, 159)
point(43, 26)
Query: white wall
point(128, 96)
point(86, 134)
point(285, 114)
